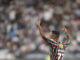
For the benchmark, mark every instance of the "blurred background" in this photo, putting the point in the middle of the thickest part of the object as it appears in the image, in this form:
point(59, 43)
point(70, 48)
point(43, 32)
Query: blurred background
point(19, 36)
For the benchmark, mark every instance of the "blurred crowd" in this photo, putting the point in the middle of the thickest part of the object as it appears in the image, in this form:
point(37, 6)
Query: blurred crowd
point(18, 31)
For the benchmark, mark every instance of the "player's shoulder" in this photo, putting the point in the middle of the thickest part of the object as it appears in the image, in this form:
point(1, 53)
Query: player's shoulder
point(52, 40)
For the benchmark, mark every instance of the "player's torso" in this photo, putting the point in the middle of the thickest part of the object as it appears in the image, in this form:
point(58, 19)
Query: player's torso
point(56, 53)
point(56, 50)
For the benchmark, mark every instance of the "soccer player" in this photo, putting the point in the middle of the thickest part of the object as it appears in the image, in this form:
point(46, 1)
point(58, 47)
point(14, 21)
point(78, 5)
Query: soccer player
point(54, 44)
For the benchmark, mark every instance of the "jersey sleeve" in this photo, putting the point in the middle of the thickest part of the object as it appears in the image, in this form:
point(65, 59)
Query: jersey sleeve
point(66, 44)
point(52, 42)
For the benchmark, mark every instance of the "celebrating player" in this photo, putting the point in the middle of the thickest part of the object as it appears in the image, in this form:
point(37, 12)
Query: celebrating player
point(54, 44)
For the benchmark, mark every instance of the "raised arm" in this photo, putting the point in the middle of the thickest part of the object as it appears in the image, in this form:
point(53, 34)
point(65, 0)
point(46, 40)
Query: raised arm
point(69, 37)
point(42, 33)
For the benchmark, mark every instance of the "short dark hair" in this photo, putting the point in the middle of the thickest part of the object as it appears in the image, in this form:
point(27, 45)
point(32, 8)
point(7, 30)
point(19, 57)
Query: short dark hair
point(57, 33)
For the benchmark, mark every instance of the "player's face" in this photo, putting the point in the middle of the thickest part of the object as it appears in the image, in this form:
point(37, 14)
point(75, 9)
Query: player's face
point(54, 37)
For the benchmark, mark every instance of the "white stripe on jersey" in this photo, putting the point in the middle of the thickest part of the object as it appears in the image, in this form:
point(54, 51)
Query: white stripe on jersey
point(60, 53)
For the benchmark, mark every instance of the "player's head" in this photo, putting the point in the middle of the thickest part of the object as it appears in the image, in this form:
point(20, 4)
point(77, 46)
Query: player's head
point(55, 34)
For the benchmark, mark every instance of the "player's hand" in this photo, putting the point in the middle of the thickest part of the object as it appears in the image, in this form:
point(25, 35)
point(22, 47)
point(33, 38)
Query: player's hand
point(64, 29)
point(38, 23)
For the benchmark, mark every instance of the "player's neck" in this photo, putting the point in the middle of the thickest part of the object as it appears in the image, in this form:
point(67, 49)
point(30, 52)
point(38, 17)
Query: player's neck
point(55, 40)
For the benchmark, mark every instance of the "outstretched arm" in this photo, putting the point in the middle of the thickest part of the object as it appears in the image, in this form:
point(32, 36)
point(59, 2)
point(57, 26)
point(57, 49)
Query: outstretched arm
point(69, 37)
point(42, 33)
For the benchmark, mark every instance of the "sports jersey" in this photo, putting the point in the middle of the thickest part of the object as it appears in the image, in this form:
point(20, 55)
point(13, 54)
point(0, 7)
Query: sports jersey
point(57, 49)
